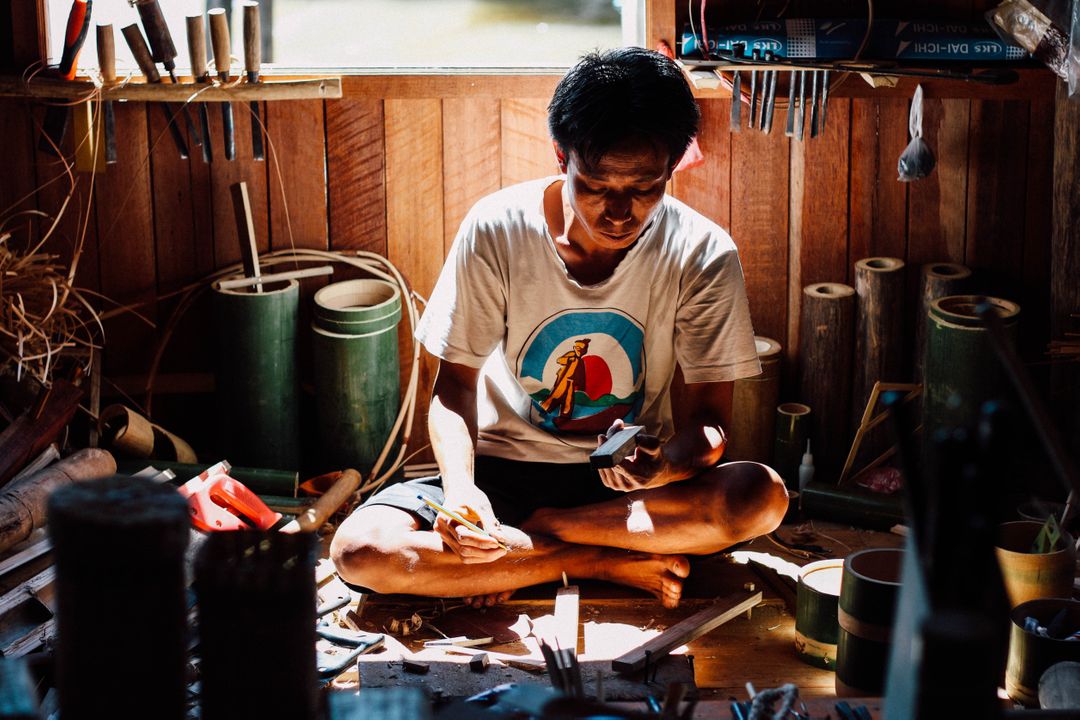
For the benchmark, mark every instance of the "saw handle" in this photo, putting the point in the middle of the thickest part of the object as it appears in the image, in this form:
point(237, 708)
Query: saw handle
point(77, 24)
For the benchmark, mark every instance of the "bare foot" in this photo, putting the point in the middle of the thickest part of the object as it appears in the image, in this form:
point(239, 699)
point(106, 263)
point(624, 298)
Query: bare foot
point(662, 575)
point(482, 601)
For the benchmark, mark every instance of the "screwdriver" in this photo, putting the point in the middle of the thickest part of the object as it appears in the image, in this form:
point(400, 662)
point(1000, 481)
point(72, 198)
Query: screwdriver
point(106, 52)
point(56, 116)
point(252, 62)
point(141, 52)
point(163, 51)
point(219, 38)
point(196, 39)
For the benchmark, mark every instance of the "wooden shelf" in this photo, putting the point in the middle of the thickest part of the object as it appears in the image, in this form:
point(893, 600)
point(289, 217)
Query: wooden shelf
point(1033, 83)
point(319, 88)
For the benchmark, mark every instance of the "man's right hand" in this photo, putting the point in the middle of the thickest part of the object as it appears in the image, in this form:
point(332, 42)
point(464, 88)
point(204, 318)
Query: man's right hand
point(472, 547)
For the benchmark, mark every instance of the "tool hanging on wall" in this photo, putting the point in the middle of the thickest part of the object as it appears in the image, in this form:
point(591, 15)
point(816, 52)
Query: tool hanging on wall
point(106, 52)
point(219, 38)
point(769, 103)
point(736, 93)
point(196, 39)
point(252, 63)
point(163, 51)
point(142, 55)
point(56, 117)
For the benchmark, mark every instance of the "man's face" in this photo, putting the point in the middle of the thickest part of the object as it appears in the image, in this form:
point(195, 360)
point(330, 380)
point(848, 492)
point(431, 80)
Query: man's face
point(615, 198)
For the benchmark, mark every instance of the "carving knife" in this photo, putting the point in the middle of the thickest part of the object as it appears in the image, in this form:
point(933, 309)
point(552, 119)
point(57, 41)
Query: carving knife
point(770, 95)
point(135, 41)
point(106, 52)
point(824, 97)
point(196, 40)
point(789, 129)
point(736, 91)
point(815, 98)
point(252, 63)
point(163, 51)
point(800, 114)
point(219, 38)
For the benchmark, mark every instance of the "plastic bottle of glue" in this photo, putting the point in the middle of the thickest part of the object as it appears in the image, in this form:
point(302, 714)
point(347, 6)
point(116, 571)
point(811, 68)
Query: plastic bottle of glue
point(806, 468)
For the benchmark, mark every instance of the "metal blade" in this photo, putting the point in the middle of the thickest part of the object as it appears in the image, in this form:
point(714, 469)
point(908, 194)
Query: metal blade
point(257, 151)
point(177, 136)
point(109, 117)
point(227, 128)
point(204, 120)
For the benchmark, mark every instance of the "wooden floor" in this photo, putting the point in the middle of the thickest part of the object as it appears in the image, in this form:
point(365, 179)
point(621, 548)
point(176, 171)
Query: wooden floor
point(758, 649)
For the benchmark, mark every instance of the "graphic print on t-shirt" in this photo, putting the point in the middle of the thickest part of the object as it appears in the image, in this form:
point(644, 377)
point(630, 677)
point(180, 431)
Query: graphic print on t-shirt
point(583, 369)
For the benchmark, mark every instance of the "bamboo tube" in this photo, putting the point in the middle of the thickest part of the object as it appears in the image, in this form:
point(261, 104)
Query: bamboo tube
point(754, 407)
point(131, 434)
point(937, 280)
point(825, 348)
point(879, 328)
point(260, 661)
point(792, 428)
point(257, 377)
point(119, 545)
point(23, 502)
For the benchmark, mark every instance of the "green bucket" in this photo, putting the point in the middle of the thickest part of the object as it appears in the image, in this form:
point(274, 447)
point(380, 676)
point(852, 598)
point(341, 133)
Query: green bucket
point(256, 375)
point(355, 363)
point(962, 370)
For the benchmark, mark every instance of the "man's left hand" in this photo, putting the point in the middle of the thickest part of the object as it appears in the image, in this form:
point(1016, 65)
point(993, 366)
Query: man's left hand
point(645, 468)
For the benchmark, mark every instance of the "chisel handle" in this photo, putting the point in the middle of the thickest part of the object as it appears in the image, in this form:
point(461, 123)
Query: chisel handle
point(252, 40)
point(106, 53)
point(219, 38)
point(157, 32)
point(196, 42)
point(141, 52)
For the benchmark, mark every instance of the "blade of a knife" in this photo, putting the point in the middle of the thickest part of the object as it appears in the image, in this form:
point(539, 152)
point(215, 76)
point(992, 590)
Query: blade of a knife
point(204, 119)
point(258, 152)
point(110, 132)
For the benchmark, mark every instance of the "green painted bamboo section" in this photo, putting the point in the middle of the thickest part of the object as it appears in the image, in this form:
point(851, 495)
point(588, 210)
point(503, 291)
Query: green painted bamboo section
point(259, 480)
point(355, 362)
point(962, 370)
point(257, 377)
point(868, 595)
point(816, 628)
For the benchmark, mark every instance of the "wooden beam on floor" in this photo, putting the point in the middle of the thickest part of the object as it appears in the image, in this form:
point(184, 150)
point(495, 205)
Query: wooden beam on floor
point(686, 631)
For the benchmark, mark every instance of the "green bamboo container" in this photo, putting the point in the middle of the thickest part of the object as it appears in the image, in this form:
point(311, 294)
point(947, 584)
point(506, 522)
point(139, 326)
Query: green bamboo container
point(791, 431)
point(355, 361)
point(259, 480)
point(816, 598)
point(256, 375)
point(1031, 655)
point(868, 595)
point(962, 370)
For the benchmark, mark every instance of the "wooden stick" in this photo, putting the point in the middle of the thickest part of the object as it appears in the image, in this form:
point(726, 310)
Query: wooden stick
point(320, 511)
point(234, 283)
point(245, 232)
point(686, 631)
point(566, 618)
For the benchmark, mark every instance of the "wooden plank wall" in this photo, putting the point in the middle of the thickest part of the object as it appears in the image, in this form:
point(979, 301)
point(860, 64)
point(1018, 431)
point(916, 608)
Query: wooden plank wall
point(395, 175)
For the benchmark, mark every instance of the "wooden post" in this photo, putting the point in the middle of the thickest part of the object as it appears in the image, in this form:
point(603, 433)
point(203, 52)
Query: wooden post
point(1065, 259)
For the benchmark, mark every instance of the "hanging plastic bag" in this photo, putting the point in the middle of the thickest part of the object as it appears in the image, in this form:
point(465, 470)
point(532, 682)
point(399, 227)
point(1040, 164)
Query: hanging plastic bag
point(917, 161)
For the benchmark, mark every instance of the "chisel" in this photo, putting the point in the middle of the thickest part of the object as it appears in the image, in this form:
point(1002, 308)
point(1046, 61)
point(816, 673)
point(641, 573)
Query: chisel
point(141, 52)
point(769, 103)
point(162, 50)
point(814, 99)
point(106, 53)
point(736, 91)
point(753, 89)
point(56, 117)
point(219, 38)
point(800, 113)
point(789, 130)
point(196, 40)
point(824, 97)
point(252, 62)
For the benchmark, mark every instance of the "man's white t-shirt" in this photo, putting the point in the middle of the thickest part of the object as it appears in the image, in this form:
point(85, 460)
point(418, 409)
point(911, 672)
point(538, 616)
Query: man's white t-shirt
point(560, 361)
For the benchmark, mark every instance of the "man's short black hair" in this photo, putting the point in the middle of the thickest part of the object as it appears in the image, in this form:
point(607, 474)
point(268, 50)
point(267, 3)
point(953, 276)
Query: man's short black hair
point(621, 95)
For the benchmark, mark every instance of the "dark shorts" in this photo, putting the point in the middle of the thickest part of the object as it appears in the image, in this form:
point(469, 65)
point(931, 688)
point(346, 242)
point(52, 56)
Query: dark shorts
point(516, 489)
